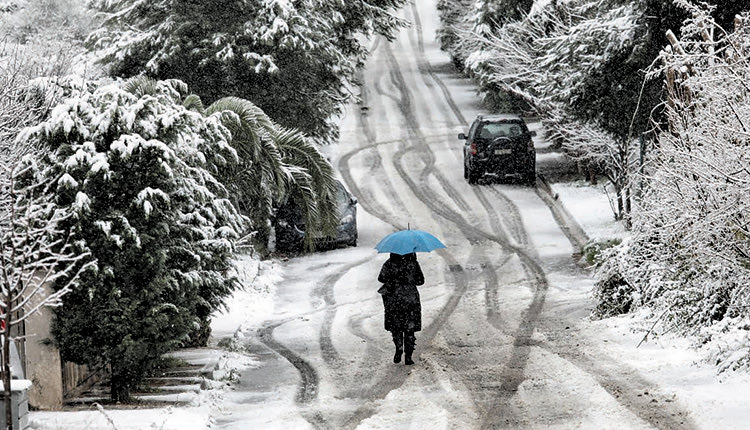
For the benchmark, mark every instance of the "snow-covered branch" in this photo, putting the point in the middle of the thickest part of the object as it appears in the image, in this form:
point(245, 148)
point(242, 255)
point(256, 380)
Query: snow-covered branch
point(691, 228)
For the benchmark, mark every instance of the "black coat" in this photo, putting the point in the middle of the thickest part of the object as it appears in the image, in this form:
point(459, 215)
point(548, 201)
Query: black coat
point(400, 276)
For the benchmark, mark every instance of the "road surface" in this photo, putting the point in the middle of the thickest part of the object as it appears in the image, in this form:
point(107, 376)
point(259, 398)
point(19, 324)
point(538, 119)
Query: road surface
point(505, 341)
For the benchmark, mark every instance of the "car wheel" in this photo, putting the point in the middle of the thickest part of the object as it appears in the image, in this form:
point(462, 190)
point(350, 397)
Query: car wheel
point(290, 247)
point(466, 171)
point(530, 178)
point(472, 175)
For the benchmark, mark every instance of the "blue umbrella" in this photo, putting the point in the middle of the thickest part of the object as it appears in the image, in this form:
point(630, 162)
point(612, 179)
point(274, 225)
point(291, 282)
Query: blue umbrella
point(408, 241)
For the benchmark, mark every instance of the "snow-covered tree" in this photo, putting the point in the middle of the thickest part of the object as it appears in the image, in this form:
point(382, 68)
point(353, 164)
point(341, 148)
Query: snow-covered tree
point(293, 59)
point(35, 253)
point(452, 13)
point(689, 255)
point(138, 173)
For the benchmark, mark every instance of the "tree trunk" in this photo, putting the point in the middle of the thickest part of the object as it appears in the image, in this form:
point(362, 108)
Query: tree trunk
point(119, 389)
point(6, 379)
point(628, 202)
point(6, 367)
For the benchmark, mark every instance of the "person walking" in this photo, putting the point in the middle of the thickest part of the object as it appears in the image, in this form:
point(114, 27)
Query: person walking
point(400, 275)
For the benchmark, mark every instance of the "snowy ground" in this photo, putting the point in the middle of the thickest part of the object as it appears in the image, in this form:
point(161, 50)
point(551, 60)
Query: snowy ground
point(715, 401)
point(506, 343)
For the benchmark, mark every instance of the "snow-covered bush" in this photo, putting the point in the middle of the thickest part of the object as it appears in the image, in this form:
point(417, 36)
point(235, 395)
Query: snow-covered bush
point(138, 174)
point(689, 255)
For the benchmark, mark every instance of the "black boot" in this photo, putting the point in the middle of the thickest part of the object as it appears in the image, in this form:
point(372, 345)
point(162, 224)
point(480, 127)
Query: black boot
point(398, 340)
point(409, 341)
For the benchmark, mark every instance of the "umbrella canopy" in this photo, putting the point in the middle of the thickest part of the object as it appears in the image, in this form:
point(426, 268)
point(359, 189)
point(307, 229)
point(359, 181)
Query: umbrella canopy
point(408, 241)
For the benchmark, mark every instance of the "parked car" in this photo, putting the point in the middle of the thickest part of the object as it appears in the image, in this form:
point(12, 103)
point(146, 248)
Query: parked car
point(290, 226)
point(499, 146)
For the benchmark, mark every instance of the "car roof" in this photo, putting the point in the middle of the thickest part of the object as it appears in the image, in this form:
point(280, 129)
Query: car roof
point(499, 117)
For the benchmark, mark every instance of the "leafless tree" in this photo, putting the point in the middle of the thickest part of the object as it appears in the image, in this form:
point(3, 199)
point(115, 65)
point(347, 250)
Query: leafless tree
point(34, 256)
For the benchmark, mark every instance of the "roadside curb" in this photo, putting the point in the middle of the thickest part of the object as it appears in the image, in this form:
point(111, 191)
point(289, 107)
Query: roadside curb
point(568, 224)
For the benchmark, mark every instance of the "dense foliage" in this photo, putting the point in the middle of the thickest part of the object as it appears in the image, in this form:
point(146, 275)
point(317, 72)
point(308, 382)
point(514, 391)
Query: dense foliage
point(162, 191)
point(275, 164)
point(138, 172)
point(294, 60)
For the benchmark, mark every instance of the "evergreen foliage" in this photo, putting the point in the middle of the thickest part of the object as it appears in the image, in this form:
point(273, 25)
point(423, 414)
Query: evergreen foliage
point(161, 191)
point(294, 60)
point(138, 171)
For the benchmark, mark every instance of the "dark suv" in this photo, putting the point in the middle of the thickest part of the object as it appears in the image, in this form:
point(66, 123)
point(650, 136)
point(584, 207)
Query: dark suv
point(290, 227)
point(499, 146)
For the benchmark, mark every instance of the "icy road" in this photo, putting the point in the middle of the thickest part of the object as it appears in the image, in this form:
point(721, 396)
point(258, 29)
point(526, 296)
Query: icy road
point(505, 341)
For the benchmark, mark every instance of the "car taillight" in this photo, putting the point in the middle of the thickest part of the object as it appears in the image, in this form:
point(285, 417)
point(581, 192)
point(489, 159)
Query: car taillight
point(473, 149)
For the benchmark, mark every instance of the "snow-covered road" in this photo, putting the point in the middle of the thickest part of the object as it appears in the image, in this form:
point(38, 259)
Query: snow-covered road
point(505, 341)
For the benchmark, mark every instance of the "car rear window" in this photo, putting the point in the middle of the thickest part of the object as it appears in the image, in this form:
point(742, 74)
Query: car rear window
point(493, 130)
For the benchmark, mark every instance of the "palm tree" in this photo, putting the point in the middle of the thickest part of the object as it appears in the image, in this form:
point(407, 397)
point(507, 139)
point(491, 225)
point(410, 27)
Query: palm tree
point(313, 186)
point(275, 164)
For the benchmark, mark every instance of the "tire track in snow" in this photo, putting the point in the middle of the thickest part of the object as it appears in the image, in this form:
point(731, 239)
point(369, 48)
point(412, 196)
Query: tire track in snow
point(625, 385)
point(513, 372)
point(459, 357)
point(383, 389)
point(325, 291)
point(308, 389)
point(364, 369)
point(491, 292)
point(426, 68)
point(511, 224)
point(394, 377)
